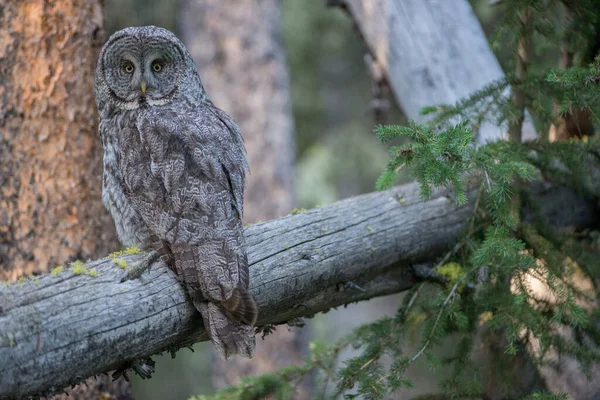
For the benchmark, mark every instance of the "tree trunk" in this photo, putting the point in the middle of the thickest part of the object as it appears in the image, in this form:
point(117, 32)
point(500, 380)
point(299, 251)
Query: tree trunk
point(424, 61)
point(237, 47)
point(50, 152)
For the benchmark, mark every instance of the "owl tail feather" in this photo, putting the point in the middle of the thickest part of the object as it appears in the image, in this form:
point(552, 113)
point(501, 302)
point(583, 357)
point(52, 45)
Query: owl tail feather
point(229, 337)
point(241, 307)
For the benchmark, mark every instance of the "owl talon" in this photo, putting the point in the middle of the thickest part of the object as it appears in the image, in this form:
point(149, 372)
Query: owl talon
point(142, 266)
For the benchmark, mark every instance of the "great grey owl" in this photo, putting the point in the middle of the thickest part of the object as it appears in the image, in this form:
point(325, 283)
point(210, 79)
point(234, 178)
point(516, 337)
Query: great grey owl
point(174, 168)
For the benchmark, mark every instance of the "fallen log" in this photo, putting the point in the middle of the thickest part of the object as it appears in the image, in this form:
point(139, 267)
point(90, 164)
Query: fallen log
point(60, 328)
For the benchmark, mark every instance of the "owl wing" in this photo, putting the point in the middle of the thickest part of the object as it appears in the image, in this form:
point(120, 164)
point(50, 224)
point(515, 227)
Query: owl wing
point(191, 197)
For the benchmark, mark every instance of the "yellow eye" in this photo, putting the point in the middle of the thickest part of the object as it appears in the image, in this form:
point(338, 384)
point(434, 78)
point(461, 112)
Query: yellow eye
point(128, 67)
point(157, 67)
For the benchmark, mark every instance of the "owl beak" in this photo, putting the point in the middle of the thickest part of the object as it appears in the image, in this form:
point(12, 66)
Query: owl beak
point(143, 86)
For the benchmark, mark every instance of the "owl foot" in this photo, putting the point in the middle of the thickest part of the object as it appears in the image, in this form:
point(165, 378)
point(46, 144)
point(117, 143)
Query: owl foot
point(137, 269)
point(144, 367)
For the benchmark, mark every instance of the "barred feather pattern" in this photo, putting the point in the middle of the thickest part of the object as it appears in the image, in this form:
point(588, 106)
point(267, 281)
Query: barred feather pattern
point(174, 175)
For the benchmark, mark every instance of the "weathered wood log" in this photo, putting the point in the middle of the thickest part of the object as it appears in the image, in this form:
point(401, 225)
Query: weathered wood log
point(430, 52)
point(58, 329)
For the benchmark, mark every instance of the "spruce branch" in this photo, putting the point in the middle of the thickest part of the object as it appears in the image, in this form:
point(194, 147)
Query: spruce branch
point(439, 315)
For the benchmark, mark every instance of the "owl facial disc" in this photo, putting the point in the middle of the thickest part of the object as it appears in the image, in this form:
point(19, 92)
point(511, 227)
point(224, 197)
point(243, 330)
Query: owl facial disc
point(142, 70)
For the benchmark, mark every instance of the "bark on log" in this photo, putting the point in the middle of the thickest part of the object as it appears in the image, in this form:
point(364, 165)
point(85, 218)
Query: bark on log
point(422, 45)
point(58, 329)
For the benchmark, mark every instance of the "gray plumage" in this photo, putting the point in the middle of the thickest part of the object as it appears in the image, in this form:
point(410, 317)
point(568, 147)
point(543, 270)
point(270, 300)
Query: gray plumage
point(174, 168)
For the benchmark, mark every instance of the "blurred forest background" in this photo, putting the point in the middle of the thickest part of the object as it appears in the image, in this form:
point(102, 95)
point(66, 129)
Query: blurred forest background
point(337, 155)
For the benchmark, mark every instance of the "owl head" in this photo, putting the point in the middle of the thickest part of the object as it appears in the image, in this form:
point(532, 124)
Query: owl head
point(144, 66)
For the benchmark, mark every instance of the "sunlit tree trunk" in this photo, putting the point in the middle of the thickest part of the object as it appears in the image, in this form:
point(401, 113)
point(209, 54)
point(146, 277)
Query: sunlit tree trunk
point(50, 152)
point(237, 47)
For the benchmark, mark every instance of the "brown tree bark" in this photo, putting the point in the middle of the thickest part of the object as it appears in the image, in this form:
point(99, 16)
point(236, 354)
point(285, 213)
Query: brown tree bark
point(50, 152)
point(237, 47)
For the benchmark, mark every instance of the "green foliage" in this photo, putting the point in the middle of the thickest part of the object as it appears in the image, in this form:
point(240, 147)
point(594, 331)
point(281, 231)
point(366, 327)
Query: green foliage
point(571, 89)
point(506, 253)
point(437, 159)
point(451, 271)
point(78, 268)
point(121, 263)
point(547, 396)
point(573, 94)
point(57, 270)
point(125, 252)
point(509, 253)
